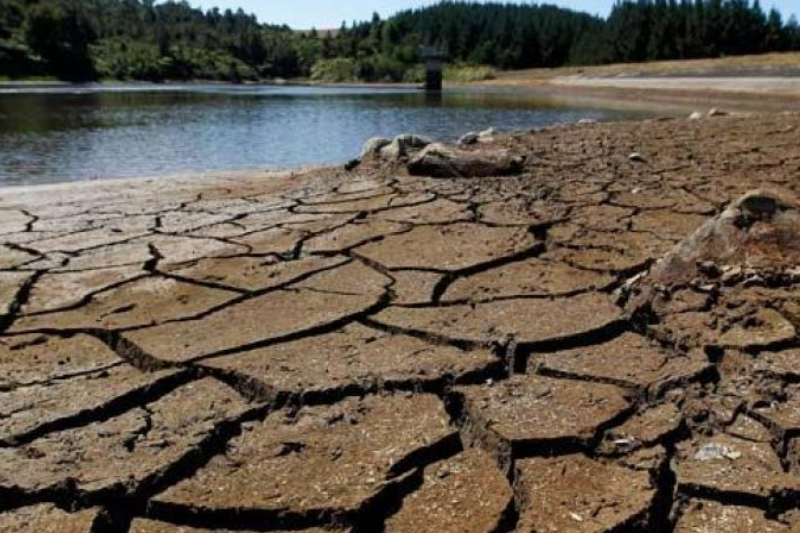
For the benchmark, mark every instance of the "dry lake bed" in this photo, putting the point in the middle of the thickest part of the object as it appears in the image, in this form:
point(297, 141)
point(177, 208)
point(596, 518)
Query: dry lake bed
point(604, 340)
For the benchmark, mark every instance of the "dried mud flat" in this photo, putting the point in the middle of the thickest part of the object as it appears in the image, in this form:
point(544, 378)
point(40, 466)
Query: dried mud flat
point(368, 351)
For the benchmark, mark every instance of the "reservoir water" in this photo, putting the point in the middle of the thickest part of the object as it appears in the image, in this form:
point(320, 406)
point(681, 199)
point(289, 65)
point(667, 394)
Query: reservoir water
point(81, 133)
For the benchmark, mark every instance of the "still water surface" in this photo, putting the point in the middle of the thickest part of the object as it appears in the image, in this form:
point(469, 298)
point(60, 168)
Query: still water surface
point(65, 134)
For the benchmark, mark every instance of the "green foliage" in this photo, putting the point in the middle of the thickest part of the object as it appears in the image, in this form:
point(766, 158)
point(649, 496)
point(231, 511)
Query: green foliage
point(517, 36)
point(644, 30)
point(414, 74)
point(144, 40)
point(464, 73)
point(124, 60)
point(336, 70)
point(150, 40)
point(381, 68)
point(501, 35)
point(61, 33)
point(456, 72)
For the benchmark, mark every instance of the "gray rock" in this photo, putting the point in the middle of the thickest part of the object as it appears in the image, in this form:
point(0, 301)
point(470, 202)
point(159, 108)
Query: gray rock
point(411, 140)
point(402, 145)
point(760, 230)
point(440, 161)
point(373, 146)
point(394, 150)
point(469, 138)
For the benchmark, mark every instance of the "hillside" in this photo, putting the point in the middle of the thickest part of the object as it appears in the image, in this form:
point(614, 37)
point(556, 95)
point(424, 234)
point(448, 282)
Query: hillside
point(144, 40)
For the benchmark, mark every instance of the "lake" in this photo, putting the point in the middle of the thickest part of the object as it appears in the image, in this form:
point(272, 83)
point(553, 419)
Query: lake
point(80, 133)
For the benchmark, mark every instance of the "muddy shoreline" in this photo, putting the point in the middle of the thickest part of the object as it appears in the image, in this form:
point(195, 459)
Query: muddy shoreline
point(366, 350)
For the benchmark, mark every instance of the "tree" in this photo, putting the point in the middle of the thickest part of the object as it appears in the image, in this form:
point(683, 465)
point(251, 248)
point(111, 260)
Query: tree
point(61, 34)
point(170, 39)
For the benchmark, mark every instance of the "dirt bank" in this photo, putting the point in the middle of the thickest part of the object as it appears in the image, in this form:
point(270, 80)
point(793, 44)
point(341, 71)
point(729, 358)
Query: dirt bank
point(768, 82)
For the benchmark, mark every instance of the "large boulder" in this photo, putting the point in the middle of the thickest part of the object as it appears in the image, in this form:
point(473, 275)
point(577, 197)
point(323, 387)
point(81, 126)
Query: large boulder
point(440, 161)
point(759, 230)
point(730, 284)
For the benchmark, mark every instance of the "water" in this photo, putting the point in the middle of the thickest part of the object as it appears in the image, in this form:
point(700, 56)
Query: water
point(67, 134)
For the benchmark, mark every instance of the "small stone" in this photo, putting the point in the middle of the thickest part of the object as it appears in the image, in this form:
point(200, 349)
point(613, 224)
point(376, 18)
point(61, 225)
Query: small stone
point(469, 138)
point(636, 157)
point(413, 141)
point(714, 450)
point(731, 275)
point(725, 464)
point(697, 115)
point(487, 135)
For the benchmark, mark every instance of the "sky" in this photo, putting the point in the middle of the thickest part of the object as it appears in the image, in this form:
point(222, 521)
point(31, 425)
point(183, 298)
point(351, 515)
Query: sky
point(325, 14)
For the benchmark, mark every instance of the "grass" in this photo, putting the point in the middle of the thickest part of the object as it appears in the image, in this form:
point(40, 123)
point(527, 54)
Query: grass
point(463, 73)
point(454, 73)
point(29, 79)
point(766, 64)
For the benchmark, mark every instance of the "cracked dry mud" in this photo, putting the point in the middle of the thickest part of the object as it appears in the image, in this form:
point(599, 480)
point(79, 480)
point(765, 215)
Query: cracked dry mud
point(594, 345)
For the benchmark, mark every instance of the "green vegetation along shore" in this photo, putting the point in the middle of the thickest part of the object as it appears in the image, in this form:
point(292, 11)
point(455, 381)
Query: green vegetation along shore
point(83, 40)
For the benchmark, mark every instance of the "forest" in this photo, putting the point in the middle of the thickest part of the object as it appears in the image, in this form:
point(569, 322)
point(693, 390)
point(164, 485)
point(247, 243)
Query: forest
point(84, 40)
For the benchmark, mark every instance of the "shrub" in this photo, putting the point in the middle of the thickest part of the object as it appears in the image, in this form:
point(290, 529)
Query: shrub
point(336, 70)
point(464, 72)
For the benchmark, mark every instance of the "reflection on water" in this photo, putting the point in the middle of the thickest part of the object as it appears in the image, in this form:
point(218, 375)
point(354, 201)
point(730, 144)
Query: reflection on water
point(49, 135)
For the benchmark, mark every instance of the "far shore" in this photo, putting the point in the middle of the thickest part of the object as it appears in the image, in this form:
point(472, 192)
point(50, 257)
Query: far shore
point(680, 93)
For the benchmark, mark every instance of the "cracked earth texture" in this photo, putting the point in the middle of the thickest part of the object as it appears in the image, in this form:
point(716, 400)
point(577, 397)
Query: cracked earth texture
point(599, 344)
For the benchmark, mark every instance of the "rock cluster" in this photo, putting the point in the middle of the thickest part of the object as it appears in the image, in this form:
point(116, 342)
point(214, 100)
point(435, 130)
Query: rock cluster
point(424, 157)
point(394, 149)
